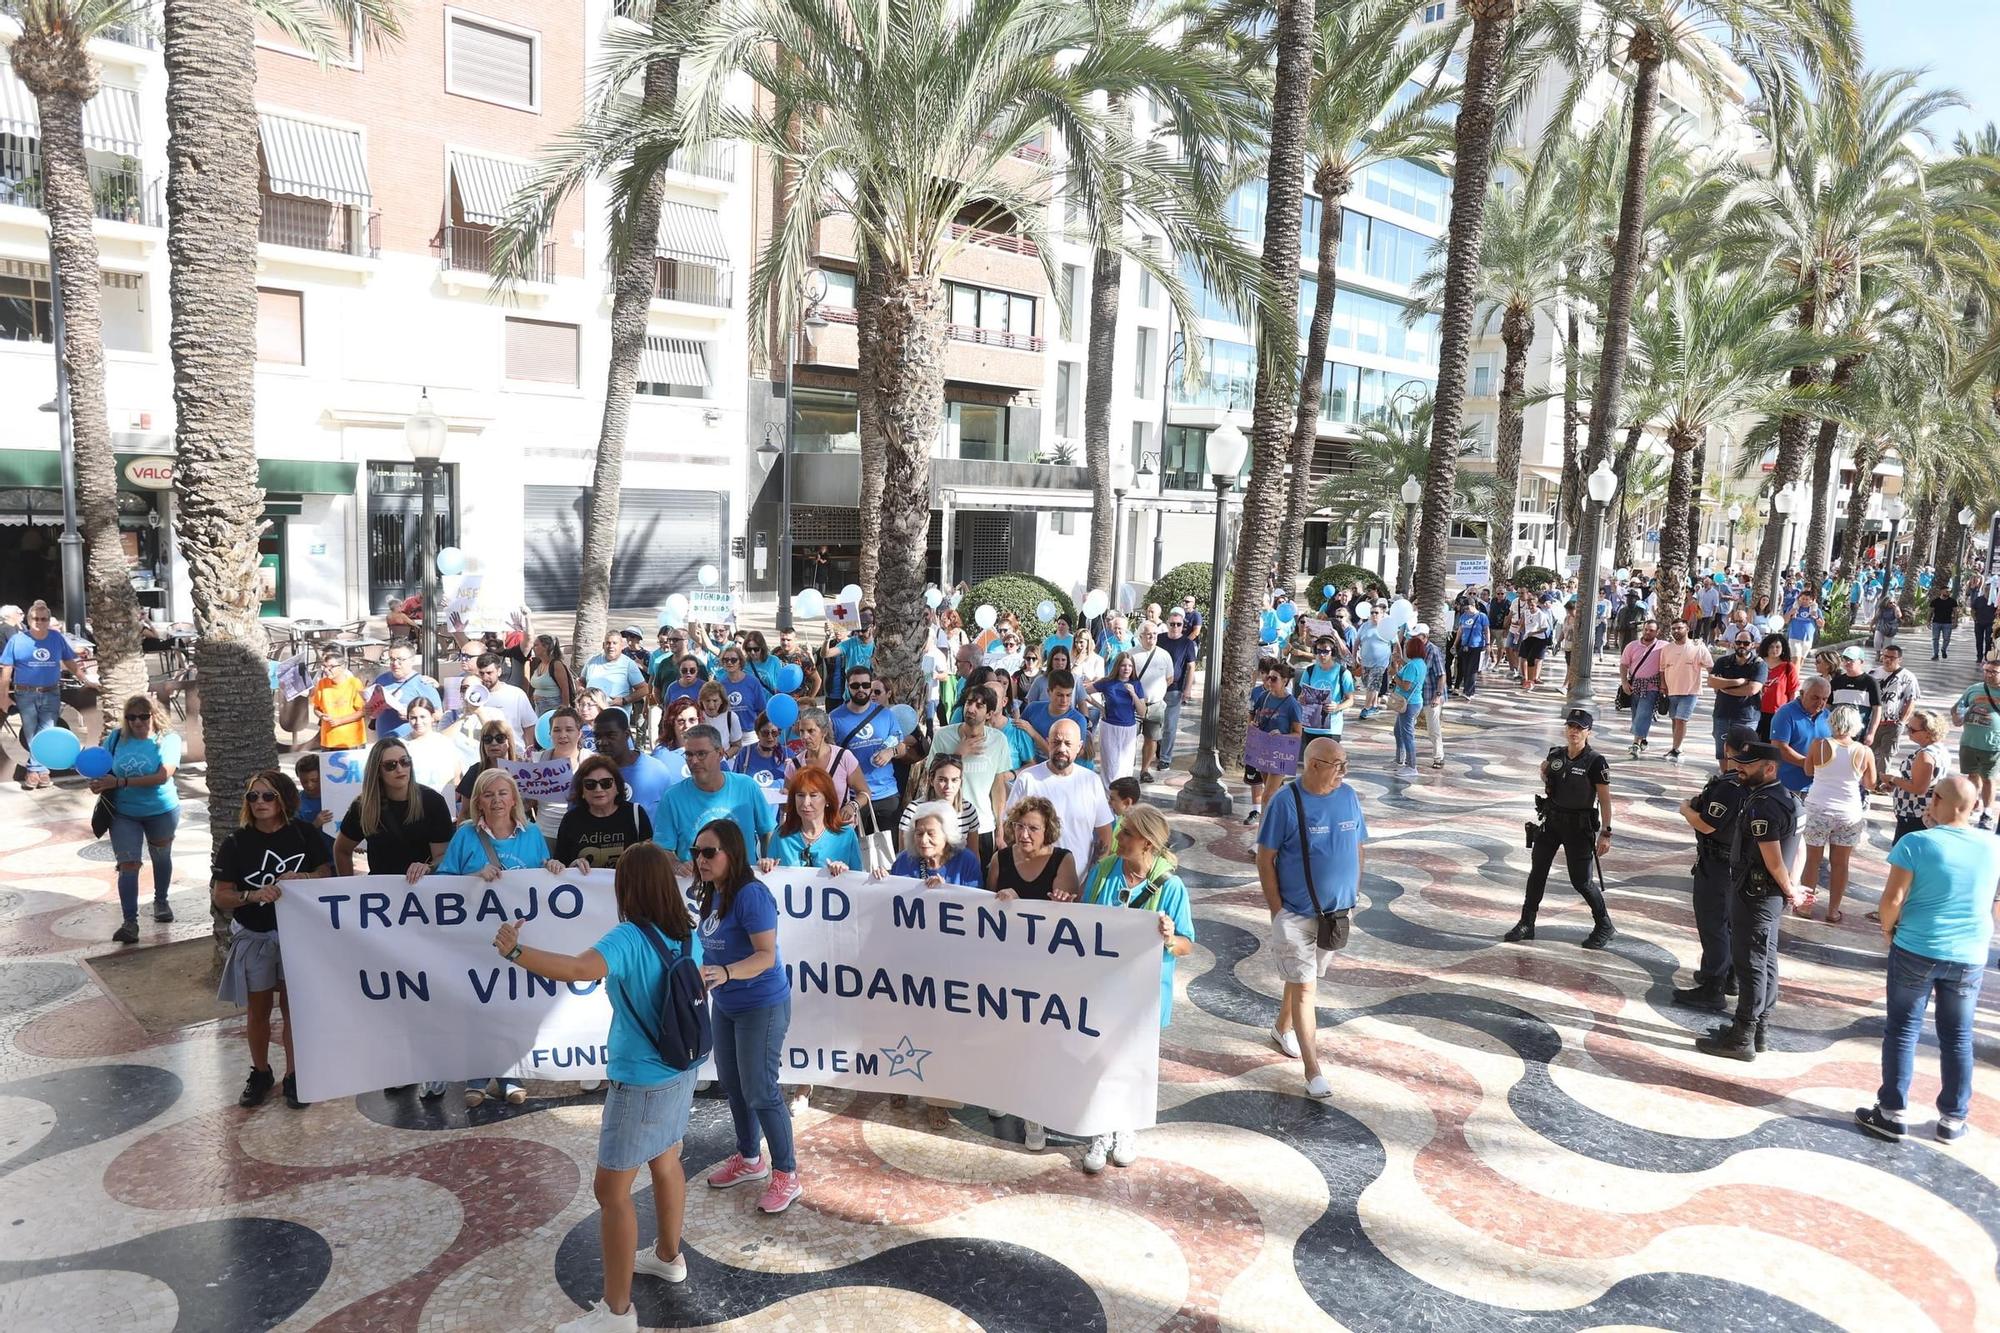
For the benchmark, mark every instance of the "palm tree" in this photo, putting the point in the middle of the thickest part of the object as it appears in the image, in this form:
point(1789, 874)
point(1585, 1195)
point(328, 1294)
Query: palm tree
point(1393, 445)
point(52, 57)
point(212, 212)
point(598, 147)
point(902, 115)
point(1642, 486)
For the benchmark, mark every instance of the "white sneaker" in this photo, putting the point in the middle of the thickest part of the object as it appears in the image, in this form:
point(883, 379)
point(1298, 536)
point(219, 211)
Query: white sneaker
point(433, 1089)
point(1095, 1152)
point(599, 1319)
point(801, 1101)
point(649, 1261)
point(1125, 1147)
point(1288, 1042)
point(1034, 1137)
point(1318, 1088)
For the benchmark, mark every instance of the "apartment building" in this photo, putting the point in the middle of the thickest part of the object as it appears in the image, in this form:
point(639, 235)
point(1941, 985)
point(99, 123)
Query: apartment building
point(383, 176)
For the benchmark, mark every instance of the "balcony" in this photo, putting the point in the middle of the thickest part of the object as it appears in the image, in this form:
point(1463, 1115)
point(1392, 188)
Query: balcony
point(694, 284)
point(313, 224)
point(972, 333)
point(711, 161)
point(464, 249)
point(994, 240)
point(116, 193)
point(131, 33)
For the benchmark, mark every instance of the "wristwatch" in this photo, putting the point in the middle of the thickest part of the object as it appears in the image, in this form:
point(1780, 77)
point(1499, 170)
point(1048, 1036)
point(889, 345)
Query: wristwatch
point(515, 952)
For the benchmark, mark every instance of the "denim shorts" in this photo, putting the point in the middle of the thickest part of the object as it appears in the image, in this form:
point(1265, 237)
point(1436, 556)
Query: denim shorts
point(1680, 707)
point(641, 1122)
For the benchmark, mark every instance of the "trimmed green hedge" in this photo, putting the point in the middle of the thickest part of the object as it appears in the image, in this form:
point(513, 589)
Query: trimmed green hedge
point(1021, 594)
point(1196, 576)
point(1344, 577)
point(1527, 576)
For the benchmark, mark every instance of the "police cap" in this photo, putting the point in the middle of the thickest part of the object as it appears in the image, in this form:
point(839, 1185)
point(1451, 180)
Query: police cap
point(1741, 739)
point(1758, 752)
point(1579, 717)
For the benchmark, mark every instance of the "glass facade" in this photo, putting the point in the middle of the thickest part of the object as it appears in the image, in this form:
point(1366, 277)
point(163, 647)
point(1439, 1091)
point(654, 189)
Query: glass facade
point(1408, 186)
point(1228, 376)
point(1381, 249)
point(1375, 324)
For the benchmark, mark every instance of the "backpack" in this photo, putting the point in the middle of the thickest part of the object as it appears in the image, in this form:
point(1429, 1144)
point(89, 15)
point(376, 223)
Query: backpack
point(685, 1035)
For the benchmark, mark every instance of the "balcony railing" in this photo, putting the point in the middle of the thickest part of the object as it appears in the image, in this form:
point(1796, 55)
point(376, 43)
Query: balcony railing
point(716, 161)
point(696, 284)
point(131, 34)
point(116, 195)
point(972, 333)
point(472, 250)
point(995, 240)
point(313, 224)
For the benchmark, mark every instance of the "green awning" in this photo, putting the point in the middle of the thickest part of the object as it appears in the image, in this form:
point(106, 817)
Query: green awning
point(42, 467)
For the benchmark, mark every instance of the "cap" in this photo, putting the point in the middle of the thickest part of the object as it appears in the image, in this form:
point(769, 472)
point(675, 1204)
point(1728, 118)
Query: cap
point(1741, 738)
point(633, 632)
point(1758, 752)
point(1579, 717)
point(1420, 629)
point(1852, 653)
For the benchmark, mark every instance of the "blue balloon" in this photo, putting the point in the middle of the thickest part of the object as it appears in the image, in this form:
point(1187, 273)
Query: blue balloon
point(1286, 614)
point(55, 748)
point(1268, 626)
point(906, 717)
point(542, 735)
point(782, 709)
point(1326, 590)
point(790, 677)
point(94, 762)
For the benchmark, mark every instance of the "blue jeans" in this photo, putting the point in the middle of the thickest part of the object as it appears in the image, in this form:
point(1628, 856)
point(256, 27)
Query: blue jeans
point(1912, 979)
point(747, 1047)
point(39, 709)
point(1406, 736)
point(155, 833)
point(1940, 638)
point(1644, 701)
point(1170, 729)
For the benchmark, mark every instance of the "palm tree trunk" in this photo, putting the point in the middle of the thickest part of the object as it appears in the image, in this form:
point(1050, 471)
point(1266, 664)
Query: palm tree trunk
point(1492, 21)
point(631, 300)
point(868, 423)
point(906, 378)
point(1621, 554)
point(212, 208)
point(1572, 409)
point(114, 610)
point(1819, 531)
point(1924, 517)
point(1517, 330)
point(1950, 541)
point(1675, 536)
point(1277, 367)
point(1332, 189)
point(1790, 462)
point(1106, 271)
point(1866, 455)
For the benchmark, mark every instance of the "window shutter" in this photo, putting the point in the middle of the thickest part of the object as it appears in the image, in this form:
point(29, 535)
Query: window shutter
point(491, 64)
point(541, 352)
point(281, 327)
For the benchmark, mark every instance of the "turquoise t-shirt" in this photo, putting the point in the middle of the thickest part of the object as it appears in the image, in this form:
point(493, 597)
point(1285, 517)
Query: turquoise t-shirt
point(527, 849)
point(1976, 706)
point(1410, 682)
point(1337, 683)
point(638, 981)
point(1107, 888)
point(1949, 912)
point(1020, 745)
point(726, 940)
point(790, 849)
point(135, 758)
point(686, 809)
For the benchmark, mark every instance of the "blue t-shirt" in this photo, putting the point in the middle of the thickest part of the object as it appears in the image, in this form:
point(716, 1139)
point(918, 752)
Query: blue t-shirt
point(1335, 830)
point(674, 761)
point(789, 849)
point(686, 810)
point(865, 736)
point(726, 940)
point(648, 779)
point(1276, 713)
point(768, 771)
point(1037, 715)
point(1119, 710)
point(1020, 745)
point(1106, 887)
point(1473, 629)
point(135, 758)
point(397, 696)
point(637, 981)
point(746, 698)
point(1948, 914)
point(309, 808)
point(688, 690)
point(36, 661)
point(1337, 683)
point(961, 867)
point(617, 679)
point(1791, 726)
point(1374, 643)
point(466, 854)
point(1801, 626)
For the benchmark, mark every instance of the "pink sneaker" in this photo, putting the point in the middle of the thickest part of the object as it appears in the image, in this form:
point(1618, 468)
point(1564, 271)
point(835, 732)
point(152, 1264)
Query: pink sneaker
point(737, 1170)
point(780, 1193)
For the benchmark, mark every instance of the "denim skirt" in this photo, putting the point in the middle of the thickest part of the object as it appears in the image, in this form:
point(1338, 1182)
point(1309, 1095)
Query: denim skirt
point(641, 1121)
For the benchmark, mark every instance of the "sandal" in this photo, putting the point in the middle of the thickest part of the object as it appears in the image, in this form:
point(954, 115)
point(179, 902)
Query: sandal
point(1876, 917)
point(937, 1117)
point(1834, 916)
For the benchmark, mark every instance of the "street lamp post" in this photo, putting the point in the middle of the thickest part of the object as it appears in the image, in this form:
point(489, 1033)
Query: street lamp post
point(1893, 509)
point(424, 432)
point(1735, 512)
point(1412, 492)
point(1965, 517)
point(1598, 489)
point(1204, 793)
point(1121, 482)
point(1782, 501)
point(812, 291)
point(1143, 475)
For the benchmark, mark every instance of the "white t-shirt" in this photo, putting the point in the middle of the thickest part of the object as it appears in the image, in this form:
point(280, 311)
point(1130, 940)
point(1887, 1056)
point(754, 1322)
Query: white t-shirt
point(1078, 797)
point(512, 704)
point(1155, 669)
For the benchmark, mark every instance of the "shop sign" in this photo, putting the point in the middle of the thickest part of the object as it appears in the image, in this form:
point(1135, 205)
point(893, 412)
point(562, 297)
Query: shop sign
point(151, 472)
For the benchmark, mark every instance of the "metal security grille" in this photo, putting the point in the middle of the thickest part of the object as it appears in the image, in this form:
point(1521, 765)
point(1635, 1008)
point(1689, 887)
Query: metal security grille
point(988, 543)
point(663, 538)
point(395, 527)
point(825, 525)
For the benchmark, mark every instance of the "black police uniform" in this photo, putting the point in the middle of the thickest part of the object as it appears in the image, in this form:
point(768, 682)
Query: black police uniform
point(1718, 804)
point(1756, 906)
point(1569, 823)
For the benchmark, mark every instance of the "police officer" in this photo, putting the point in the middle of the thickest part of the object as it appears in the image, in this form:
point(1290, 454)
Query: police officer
point(1760, 888)
point(1577, 806)
point(1711, 814)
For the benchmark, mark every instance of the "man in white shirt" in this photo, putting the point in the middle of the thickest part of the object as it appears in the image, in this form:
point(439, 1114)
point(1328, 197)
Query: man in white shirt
point(509, 701)
point(1076, 793)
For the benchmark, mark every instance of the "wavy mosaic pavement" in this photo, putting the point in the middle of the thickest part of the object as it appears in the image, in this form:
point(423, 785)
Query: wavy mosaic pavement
point(1521, 1137)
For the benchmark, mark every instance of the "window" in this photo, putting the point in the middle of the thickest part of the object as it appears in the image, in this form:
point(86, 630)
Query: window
point(1407, 186)
point(1228, 376)
point(539, 352)
point(1072, 304)
point(1434, 12)
point(1149, 291)
point(491, 62)
point(1482, 378)
point(839, 290)
point(1479, 441)
point(1184, 461)
point(673, 368)
point(1375, 324)
point(992, 311)
point(979, 432)
point(828, 421)
point(281, 327)
point(1065, 398)
point(26, 310)
point(1142, 364)
point(1142, 437)
point(1382, 249)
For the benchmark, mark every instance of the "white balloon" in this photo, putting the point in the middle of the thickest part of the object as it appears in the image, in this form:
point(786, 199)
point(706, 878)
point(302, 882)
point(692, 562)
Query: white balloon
point(677, 601)
point(1095, 603)
point(1624, 574)
point(851, 593)
point(673, 617)
point(985, 616)
point(707, 575)
point(1045, 610)
point(932, 597)
point(809, 605)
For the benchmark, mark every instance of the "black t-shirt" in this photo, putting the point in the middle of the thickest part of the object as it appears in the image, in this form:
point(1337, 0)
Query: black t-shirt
point(1731, 709)
point(467, 778)
point(1573, 783)
point(1768, 815)
point(583, 836)
point(397, 846)
point(1944, 609)
point(252, 859)
point(1717, 804)
point(1863, 692)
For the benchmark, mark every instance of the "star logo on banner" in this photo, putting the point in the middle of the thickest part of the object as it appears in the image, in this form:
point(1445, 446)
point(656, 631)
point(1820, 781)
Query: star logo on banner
point(265, 875)
point(906, 1058)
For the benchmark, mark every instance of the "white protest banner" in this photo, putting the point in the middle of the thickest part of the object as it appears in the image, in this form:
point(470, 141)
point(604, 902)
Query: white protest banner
point(711, 606)
point(1320, 629)
point(1472, 573)
point(459, 609)
point(340, 780)
point(1047, 1011)
point(541, 779)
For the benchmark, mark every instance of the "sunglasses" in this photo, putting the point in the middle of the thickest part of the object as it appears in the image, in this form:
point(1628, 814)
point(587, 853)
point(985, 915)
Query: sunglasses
point(395, 765)
point(858, 689)
point(599, 784)
point(704, 853)
point(259, 797)
point(138, 717)
point(687, 671)
point(494, 740)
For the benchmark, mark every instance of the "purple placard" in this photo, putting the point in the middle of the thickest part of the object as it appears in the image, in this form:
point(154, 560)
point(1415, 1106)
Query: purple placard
point(1272, 753)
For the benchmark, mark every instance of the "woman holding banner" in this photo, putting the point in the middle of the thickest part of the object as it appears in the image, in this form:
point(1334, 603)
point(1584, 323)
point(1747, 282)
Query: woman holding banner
point(565, 743)
point(436, 755)
point(496, 742)
point(812, 828)
point(932, 852)
point(646, 1111)
point(601, 825)
point(753, 1010)
point(270, 845)
point(403, 822)
point(1141, 875)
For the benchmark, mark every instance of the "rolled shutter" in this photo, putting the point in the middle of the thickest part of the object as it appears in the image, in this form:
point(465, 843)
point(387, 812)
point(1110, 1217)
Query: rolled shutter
point(492, 64)
point(541, 352)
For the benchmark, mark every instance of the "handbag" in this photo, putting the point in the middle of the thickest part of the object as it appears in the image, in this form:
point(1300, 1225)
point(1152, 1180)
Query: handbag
point(686, 1033)
point(1623, 700)
point(102, 810)
point(1333, 927)
point(878, 845)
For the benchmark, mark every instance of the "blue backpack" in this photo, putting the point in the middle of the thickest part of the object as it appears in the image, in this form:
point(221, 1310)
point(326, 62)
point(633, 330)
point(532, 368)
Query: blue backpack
point(685, 1035)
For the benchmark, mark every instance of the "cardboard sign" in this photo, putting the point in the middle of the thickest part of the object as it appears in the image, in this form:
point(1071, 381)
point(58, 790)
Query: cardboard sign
point(1320, 629)
point(1273, 753)
point(1472, 573)
point(541, 779)
point(711, 606)
point(340, 774)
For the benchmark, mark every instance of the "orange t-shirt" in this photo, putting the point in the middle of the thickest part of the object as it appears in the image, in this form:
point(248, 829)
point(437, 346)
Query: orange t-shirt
point(337, 699)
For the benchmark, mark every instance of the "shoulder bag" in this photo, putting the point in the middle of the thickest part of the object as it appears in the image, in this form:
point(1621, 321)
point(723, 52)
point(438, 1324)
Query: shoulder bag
point(102, 810)
point(1623, 700)
point(1156, 709)
point(1333, 927)
point(685, 1034)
